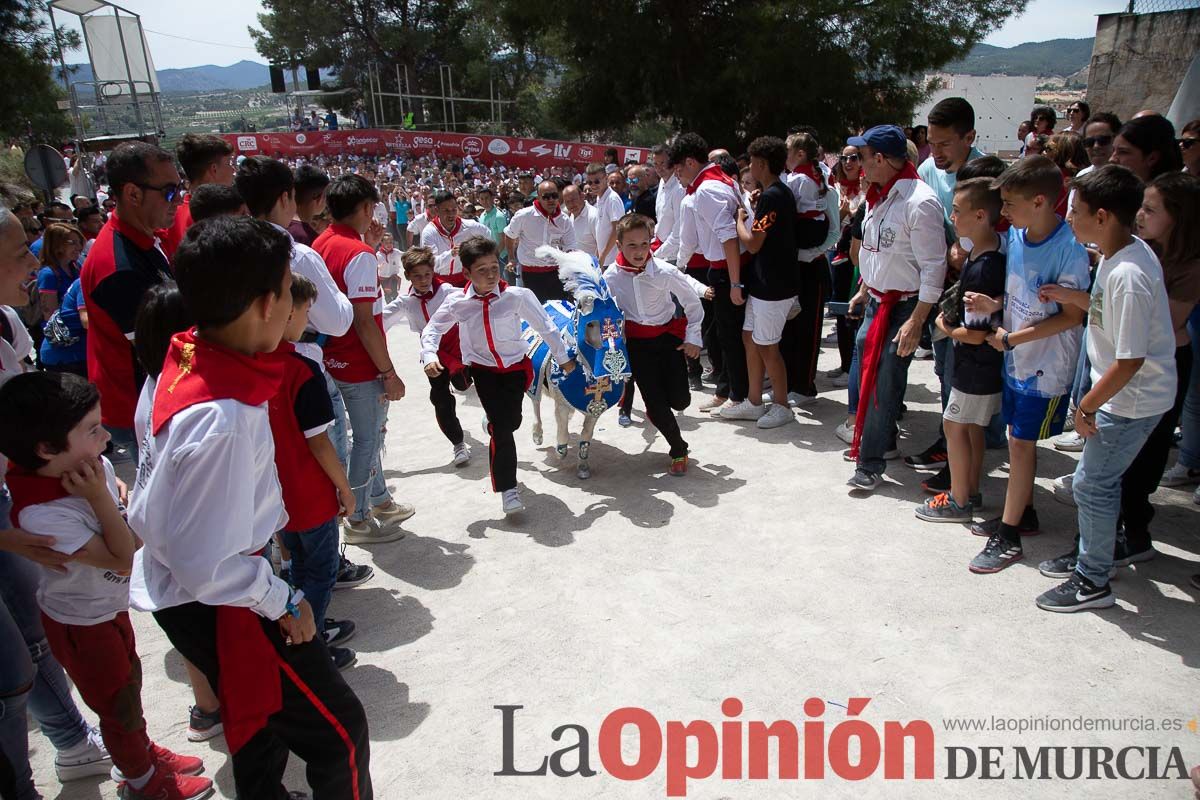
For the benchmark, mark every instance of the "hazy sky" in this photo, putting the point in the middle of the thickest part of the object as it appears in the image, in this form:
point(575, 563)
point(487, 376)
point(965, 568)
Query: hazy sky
point(217, 28)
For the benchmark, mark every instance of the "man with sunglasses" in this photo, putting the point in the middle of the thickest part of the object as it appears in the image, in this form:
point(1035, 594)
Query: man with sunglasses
point(536, 225)
point(643, 193)
point(609, 208)
point(124, 261)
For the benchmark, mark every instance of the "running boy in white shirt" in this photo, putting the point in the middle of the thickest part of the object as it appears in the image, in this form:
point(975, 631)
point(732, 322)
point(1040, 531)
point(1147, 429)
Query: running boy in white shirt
point(488, 313)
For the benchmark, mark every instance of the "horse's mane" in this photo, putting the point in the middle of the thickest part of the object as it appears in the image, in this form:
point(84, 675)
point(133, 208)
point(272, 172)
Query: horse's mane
point(578, 272)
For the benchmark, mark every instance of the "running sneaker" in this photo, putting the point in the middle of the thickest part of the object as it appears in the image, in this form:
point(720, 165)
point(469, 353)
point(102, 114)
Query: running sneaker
point(338, 631)
point(1070, 442)
point(1027, 527)
point(462, 454)
point(203, 725)
point(744, 410)
point(350, 574)
point(1179, 475)
point(391, 511)
point(997, 554)
point(1077, 593)
point(623, 419)
point(367, 532)
point(845, 432)
point(168, 761)
point(1123, 558)
point(942, 508)
point(776, 417)
point(922, 353)
point(1060, 566)
point(932, 457)
point(165, 785)
point(864, 481)
point(343, 657)
point(679, 467)
point(938, 483)
point(84, 760)
point(511, 499)
point(1062, 491)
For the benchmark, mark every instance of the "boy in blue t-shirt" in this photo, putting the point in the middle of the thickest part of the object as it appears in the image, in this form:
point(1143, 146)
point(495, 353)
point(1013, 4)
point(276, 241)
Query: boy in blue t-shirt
point(1040, 342)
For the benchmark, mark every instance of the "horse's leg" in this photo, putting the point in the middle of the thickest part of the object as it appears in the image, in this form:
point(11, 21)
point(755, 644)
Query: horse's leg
point(585, 442)
point(537, 416)
point(562, 414)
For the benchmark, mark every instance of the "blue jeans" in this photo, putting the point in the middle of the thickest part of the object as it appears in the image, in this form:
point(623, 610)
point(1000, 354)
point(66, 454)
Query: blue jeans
point(1097, 488)
point(30, 675)
point(854, 375)
point(879, 427)
point(366, 407)
point(1189, 448)
point(337, 431)
point(315, 560)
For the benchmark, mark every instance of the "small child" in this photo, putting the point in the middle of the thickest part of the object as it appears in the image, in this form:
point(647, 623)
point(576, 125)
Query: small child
point(315, 489)
point(1040, 341)
point(978, 381)
point(208, 501)
point(427, 292)
point(62, 486)
point(1131, 347)
point(646, 290)
point(488, 313)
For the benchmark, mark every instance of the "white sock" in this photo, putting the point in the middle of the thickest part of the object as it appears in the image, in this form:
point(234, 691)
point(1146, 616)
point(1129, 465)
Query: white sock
point(139, 783)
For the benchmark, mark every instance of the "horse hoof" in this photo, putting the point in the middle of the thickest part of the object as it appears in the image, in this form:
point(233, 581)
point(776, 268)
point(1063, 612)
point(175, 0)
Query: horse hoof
point(584, 472)
point(561, 449)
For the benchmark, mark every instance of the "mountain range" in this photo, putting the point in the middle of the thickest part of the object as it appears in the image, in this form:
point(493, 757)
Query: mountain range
point(1056, 57)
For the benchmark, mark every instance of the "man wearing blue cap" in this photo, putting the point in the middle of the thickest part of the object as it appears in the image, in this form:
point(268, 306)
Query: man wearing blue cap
point(903, 266)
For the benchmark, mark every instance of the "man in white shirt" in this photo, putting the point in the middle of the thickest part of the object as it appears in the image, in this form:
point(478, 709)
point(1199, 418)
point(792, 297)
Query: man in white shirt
point(609, 208)
point(583, 217)
point(445, 232)
point(715, 200)
point(536, 225)
point(903, 266)
point(666, 207)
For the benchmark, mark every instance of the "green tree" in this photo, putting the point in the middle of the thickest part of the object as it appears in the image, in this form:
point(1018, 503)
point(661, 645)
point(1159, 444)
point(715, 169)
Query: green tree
point(28, 93)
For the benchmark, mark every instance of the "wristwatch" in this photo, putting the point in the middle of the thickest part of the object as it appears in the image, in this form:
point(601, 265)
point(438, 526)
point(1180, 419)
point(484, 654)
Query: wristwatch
point(1004, 340)
point(737, 286)
point(293, 603)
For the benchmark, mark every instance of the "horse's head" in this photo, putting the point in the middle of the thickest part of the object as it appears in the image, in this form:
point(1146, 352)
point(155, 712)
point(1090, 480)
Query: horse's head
point(598, 324)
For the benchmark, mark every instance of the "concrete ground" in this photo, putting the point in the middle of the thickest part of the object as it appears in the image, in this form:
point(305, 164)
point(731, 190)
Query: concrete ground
point(756, 576)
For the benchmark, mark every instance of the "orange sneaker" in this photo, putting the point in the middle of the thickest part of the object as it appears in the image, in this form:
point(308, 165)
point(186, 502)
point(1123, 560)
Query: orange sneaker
point(678, 467)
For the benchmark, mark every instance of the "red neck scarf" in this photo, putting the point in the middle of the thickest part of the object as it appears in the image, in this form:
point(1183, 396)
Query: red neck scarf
point(807, 169)
point(197, 371)
point(30, 489)
point(875, 192)
point(710, 173)
point(850, 188)
point(627, 267)
point(500, 287)
point(437, 223)
point(427, 296)
point(538, 205)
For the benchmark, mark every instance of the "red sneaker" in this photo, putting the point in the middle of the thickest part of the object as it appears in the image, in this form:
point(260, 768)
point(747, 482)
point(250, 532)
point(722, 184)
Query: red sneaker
point(166, 761)
point(678, 467)
point(165, 785)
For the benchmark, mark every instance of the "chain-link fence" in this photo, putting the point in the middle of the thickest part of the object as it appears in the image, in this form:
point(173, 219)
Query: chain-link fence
point(1151, 6)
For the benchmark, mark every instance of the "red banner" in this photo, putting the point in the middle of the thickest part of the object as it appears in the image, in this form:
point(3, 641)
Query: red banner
point(510, 151)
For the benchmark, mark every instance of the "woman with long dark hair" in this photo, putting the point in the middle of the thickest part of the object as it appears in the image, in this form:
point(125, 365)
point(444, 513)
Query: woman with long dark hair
point(1147, 146)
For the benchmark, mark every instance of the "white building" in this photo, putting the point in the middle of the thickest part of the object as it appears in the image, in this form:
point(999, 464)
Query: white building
point(1000, 103)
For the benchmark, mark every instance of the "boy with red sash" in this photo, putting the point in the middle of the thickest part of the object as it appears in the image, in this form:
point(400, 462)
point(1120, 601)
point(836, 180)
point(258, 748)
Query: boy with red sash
point(444, 234)
point(425, 296)
point(209, 502)
point(488, 313)
point(645, 289)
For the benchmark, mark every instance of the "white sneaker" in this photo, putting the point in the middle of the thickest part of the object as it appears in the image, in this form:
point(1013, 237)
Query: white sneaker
point(775, 417)
point(797, 400)
point(922, 353)
point(743, 410)
point(845, 433)
point(462, 454)
point(1179, 475)
point(512, 501)
point(1069, 442)
point(84, 760)
point(1062, 489)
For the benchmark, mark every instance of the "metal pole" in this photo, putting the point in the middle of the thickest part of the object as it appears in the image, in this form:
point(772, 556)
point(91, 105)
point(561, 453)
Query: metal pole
point(450, 81)
point(400, 94)
point(442, 77)
point(76, 117)
point(379, 86)
point(137, 106)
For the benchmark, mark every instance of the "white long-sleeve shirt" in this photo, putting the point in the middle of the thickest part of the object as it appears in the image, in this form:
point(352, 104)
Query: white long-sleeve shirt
point(408, 308)
point(490, 332)
point(666, 208)
point(904, 242)
point(585, 230)
point(531, 229)
point(609, 208)
point(445, 262)
point(331, 313)
point(196, 547)
point(831, 204)
point(686, 236)
point(646, 297)
point(716, 204)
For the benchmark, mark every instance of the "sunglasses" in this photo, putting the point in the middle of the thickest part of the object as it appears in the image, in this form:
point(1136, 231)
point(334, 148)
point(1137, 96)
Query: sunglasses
point(594, 181)
point(1074, 110)
point(853, 157)
point(1097, 141)
point(170, 191)
point(1186, 144)
point(550, 196)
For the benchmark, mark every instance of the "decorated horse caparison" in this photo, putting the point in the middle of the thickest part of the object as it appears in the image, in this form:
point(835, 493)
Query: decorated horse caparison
point(594, 330)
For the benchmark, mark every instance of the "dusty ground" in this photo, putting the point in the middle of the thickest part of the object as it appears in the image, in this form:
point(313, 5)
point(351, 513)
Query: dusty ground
point(756, 576)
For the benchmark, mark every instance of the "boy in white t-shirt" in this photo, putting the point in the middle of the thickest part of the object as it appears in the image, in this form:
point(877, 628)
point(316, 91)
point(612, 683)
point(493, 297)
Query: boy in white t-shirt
point(63, 487)
point(1131, 347)
point(389, 267)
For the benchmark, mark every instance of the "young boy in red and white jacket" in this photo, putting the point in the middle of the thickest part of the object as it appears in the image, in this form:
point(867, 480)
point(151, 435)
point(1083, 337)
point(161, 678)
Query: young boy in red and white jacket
point(646, 288)
point(488, 313)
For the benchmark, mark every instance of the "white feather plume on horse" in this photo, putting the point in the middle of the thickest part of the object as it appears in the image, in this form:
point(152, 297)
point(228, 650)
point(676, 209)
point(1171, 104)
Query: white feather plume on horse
point(577, 270)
